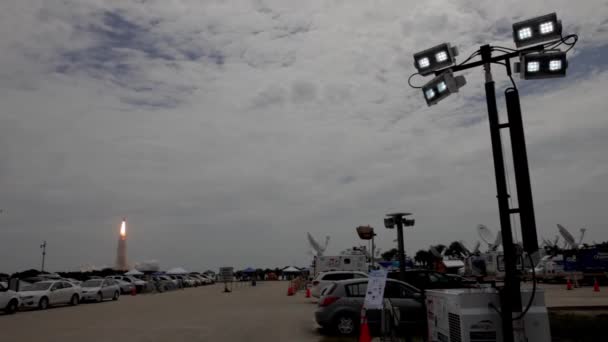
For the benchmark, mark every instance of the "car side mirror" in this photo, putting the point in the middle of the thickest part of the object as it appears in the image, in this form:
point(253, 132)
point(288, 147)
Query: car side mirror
point(417, 295)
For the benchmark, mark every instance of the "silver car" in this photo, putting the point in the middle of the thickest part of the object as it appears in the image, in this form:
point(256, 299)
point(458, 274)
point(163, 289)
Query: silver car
point(100, 289)
point(125, 288)
point(340, 306)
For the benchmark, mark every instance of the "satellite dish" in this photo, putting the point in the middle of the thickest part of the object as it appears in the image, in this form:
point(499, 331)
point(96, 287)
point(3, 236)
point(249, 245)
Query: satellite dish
point(464, 248)
point(318, 250)
point(497, 242)
point(580, 239)
point(485, 234)
point(567, 236)
point(435, 252)
point(476, 248)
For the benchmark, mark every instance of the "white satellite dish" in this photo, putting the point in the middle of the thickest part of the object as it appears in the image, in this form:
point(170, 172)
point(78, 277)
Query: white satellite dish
point(318, 250)
point(485, 234)
point(464, 248)
point(497, 241)
point(476, 248)
point(435, 252)
point(580, 238)
point(567, 236)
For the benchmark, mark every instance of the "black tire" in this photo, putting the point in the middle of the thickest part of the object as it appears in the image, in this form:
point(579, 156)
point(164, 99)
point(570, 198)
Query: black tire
point(99, 297)
point(346, 324)
point(74, 300)
point(43, 304)
point(116, 295)
point(11, 307)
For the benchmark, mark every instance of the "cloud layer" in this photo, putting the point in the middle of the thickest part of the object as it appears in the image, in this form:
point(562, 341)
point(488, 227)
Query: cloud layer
point(226, 130)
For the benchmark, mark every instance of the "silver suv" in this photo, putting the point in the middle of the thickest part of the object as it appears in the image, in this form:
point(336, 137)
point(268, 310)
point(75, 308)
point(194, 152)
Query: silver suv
point(340, 306)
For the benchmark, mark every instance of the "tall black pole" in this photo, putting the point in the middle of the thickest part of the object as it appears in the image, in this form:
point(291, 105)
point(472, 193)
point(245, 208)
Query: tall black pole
point(510, 295)
point(43, 246)
point(399, 222)
point(522, 173)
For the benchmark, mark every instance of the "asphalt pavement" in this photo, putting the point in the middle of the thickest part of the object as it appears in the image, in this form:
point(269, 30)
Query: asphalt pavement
point(261, 313)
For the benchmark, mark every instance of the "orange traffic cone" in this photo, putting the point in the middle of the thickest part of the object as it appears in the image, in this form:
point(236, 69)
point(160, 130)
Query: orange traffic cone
point(133, 291)
point(290, 290)
point(307, 292)
point(568, 285)
point(364, 335)
point(596, 286)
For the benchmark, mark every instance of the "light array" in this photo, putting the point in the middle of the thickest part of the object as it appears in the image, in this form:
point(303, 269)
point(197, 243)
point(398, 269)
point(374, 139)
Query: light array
point(537, 30)
point(435, 58)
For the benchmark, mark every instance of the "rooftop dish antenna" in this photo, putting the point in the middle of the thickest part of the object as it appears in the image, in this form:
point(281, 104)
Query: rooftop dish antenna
point(567, 236)
point(318, 250)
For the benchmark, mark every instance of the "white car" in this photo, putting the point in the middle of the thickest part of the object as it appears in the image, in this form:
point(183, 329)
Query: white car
point(204, 280)
point(125, 288)
point(100, 289)
point(43, 294)
point(9, 300)
point(140, 285)
point(324, 279)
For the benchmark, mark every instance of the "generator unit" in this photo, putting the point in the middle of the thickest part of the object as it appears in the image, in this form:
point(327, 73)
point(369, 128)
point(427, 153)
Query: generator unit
point(471, 315)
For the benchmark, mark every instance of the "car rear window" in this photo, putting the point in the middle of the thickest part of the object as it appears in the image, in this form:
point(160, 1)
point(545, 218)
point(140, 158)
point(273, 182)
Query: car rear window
point(338, 276)
point(356, 290)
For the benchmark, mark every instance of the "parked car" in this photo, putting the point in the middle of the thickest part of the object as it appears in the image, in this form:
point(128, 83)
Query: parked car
point(339, 309)
point(9, 299)
point(100, 289)
point(324, 279)
point(206, 280)
point(163, 283)
point(125, 288)
point(427, 279)
point(139, 284)
point(43, 294)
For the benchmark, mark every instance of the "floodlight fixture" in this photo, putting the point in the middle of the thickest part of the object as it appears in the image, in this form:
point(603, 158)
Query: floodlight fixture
point(546, 64)
point(389, 223)
point(441, 87)
point(435, 58)
point(537, 30)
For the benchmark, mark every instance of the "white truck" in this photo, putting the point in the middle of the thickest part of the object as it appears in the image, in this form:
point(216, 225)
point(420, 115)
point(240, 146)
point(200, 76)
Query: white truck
point(345, 262)
point(9, 299)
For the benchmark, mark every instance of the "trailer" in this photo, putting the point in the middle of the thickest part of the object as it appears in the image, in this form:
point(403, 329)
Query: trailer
point(345, 262)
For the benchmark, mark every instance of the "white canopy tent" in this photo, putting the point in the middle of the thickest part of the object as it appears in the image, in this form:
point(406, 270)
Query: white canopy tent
point(134, 272)
point(291, 269)
point(177, 270)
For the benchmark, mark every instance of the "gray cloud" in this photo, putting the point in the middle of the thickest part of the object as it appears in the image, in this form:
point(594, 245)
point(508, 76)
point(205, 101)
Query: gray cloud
point(225, 131)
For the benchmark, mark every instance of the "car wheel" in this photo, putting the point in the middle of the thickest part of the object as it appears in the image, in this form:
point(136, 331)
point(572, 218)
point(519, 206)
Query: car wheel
point(43, 304)
point(346, 324)
point(11, 308)
point(99, 297)
point(116, 295)
point(75, 300)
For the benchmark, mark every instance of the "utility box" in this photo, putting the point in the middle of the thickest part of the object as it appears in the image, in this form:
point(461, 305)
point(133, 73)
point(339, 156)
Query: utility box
point(469, 315)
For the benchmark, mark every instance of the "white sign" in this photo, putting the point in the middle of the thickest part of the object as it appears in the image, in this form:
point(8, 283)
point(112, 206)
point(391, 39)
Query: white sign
point(226, 274)
point(375, 290)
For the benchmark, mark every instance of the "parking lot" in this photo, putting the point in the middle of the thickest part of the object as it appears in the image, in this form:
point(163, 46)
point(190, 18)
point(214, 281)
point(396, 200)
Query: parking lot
point(261, 313)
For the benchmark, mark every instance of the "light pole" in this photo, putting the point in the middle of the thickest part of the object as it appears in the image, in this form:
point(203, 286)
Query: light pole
point(399, 220)
point(536, 62)
point(43, 246)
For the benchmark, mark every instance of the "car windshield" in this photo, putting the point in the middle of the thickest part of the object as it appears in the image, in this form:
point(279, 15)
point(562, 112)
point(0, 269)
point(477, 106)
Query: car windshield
point(92, 283)
point(37, 287)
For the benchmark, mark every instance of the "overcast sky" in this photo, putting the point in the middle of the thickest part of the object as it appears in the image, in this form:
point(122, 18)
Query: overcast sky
point(226, 130)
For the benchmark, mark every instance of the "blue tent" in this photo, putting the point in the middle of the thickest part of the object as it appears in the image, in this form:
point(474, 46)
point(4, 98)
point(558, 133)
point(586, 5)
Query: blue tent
point(248, 270)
